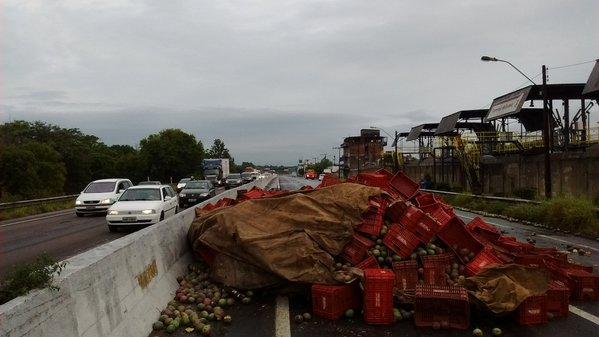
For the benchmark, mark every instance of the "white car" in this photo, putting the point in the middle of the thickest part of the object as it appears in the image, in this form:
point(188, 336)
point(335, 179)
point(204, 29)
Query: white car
point(99, 195)
point(143, 205)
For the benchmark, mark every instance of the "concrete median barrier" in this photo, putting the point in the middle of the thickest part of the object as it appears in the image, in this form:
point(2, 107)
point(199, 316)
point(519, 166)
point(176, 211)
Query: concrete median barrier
point(116, 289)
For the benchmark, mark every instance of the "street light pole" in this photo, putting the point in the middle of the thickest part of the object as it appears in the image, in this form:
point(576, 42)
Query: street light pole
point(493, 59)
point(546, 120)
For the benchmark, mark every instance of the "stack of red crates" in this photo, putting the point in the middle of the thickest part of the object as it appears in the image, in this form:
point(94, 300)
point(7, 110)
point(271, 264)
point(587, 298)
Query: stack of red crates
point(435, 267)
point(332, 301)
point(585, 286)
point(558, 299)
point(401, 241)
point(378, 296)
point(445, 307)
point(532, 311)
point(355, 251)
point(438, 213)
point(425, 228)
point(410, 217)
point(425, 199)
point(406, 274)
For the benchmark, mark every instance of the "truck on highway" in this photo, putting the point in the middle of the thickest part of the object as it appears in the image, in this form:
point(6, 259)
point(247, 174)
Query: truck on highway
point(216, 170)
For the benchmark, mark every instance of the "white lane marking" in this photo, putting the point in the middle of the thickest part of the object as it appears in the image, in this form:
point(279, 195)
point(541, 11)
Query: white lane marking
point(36, 219)
point(568, 242)
point(282, 326)
point(589, 317)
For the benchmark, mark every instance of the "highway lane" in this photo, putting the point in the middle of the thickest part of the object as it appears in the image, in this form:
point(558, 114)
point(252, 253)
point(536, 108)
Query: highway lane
point(59, 234)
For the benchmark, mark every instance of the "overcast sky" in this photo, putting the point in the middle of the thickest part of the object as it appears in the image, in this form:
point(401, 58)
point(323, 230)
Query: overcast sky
point(276, 80)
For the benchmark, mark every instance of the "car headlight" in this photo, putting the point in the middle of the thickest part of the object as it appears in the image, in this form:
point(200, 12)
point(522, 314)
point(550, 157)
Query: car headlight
point(78, 202)
point(148, 211)
point(106, 201)
point(113, 212)
point(182, 195)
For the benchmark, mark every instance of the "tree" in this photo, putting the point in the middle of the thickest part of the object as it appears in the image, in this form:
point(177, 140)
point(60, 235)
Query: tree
point(31, 170)
point(321, 165)
point(218, 150)
point(171, 153)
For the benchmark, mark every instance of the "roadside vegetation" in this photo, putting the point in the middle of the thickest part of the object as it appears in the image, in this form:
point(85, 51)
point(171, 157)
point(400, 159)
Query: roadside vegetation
point(576, 215)
point(26, 277)
point(19, 212)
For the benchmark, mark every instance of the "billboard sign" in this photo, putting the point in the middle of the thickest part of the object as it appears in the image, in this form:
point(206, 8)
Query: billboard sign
point(507, 105)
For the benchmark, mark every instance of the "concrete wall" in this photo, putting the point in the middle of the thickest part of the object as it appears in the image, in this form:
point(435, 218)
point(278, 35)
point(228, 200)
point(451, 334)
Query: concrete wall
point(572, 173)
point(116, 289)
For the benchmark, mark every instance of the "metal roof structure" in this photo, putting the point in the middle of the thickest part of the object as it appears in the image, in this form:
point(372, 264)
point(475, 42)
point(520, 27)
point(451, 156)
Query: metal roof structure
point(417, 131)
point(460, 120)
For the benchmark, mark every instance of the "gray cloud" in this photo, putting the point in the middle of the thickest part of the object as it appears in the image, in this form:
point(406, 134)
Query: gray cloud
point(276, 79)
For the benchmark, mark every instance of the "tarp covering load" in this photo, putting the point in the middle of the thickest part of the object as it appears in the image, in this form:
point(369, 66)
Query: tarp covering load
point(504, 288)
point(292, 237)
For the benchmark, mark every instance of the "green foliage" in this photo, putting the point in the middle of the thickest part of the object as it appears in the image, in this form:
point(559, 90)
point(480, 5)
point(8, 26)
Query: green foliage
point(19, 212)
point(31, 170)
point(525, 193)
point(35, 275)
point(321, 165)
point(39, 159)
point(171, 153)
point(567, 213)
point(218, 150)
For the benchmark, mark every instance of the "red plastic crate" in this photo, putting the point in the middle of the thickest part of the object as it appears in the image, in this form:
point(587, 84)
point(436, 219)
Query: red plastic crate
point(401, 241)
point(396, 210)
point(425, 229)
point(384, 172)
point(369, 262)
point(410, 217)
point(332, 301)
point(378, 296)
point(457, 237)
point(585, 285)
point(446, 306)
point(254, 193)
point(558, 299)
point(435, 267)
point(424, 199)
point(481, 227)
point(485, 258)
point(514, 246)
point(406, 274)
point(404, 185)
point(532, 311)
point(372, 221)
point(355, 251)
point(372, 179)
point(438, 213)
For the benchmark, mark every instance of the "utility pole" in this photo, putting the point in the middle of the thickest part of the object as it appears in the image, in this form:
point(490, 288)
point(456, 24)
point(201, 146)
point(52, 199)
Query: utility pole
point(546, 135)
point(339, 160)
point(395, 158)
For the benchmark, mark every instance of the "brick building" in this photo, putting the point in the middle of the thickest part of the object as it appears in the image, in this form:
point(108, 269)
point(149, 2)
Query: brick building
point(362, 153)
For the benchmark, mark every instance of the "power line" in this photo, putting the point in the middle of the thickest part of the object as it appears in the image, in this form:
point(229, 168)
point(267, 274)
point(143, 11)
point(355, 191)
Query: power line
point(572, 65)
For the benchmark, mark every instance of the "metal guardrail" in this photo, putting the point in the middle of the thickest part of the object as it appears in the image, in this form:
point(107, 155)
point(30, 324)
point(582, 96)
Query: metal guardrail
point(23, 203)
point(487, 197)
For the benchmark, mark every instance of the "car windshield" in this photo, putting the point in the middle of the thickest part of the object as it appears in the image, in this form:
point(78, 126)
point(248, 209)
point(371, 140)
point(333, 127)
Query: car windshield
point(139, 194)
point(234, 176)
point(100, 187)
point(246, 175)
point(184, 180)
point(197, 185)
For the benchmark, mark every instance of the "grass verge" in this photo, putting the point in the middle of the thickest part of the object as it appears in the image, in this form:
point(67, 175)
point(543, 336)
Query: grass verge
point(577, 215)
point(26, 277)
point(13, 213)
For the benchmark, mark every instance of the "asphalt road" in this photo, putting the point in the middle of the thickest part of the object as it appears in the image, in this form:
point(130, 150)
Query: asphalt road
point(59, 234)
point(272, 316)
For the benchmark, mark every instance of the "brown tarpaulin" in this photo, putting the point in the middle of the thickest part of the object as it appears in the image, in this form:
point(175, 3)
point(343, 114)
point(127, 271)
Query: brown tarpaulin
point(293, 237)
point(503, 288)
